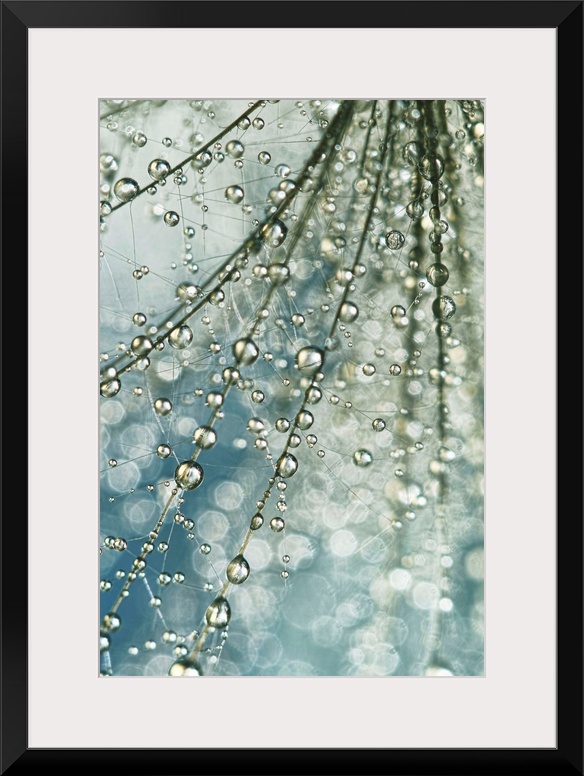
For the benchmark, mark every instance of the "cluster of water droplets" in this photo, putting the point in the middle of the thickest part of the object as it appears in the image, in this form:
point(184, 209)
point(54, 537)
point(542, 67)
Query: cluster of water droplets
point(286, 390)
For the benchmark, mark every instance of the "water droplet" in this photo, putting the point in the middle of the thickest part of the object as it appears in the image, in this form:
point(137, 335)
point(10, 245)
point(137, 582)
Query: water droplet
point(204, 437)
point(230, 375)
point(255, 425)
point(378, 424)
point(264, 157)
point(287, 465)
point(238, 570)
point(217, 297)
point(111, 622)
point(218, 613)
point(171, 218)
point(186, 292)
point(397, 311)
point(394, 240)
point(139, 319)
point(183, 668)
point(163, 451)
point(235, 149)
point(162, 407)
point(277, 524)
point(369, 369)
point(304, 419)
point(245, 351)
point(437, 274)
point(282, 425)
point(349, 312)
point(158, 169)
point(214, 400)
point(105, 208)
point(126, 189)
point(188, 475)
point(361, 185)
point(309, 360)
point(274, 234)
point(443, 308)
point(362, 457)
point(234, 194)
point(141, 345)
point(256, 522)
point(431, 167)
point(313, 395)
point(139, 139)
point(438, 670)
point(108, 163)
point(412, 153)
point(395, 369)
point(283, 171)
point(110, 388)
point(181, 338)
point(257, 397)
point(279, 274)
point(415, 209)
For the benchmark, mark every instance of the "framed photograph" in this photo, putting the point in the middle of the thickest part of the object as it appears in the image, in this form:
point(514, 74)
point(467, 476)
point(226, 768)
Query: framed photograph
point(306, 377)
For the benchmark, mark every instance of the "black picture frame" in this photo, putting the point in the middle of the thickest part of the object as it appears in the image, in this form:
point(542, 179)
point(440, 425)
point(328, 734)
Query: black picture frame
point(566, 17)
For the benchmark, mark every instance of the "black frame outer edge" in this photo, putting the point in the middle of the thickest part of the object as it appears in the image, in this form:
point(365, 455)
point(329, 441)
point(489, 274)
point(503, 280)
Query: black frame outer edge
point(16, 19)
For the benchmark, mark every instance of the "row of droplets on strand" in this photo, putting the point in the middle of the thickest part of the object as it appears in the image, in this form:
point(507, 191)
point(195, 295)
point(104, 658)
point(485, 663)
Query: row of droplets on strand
point(245, 348)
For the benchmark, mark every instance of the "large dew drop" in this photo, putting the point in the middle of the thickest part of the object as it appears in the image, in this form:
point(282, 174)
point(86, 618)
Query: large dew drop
point(394, 240)
point(235, 149)
point(218, 613)
point(181, 338)
point(158, 169)
point(238, 570)
point(274, 234)
point(126, 189)
point(162, 407)
point(431, 167)
point(304, 420)
point(110, 388)
point(141, 345)
point(245, 351)
point(204, 437)
point(287, 465)
point(234, 194)
point(349, 312)
point(279, 274)
point(171, 218)
point(443, 308)
point(437, 274)
point(362, 457)
point(309, 360)
point(188, 475)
